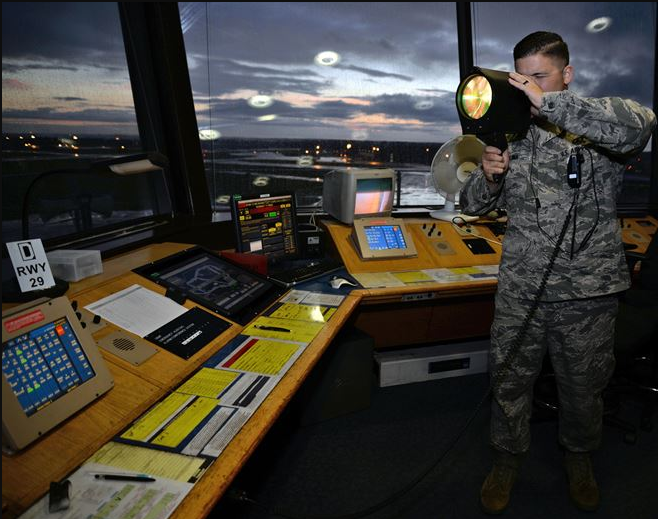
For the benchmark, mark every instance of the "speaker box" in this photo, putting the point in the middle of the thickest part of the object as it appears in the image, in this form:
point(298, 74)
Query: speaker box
point(311, 241)
point(342, 380)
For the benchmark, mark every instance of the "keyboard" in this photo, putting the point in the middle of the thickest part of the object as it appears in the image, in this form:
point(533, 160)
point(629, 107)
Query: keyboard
point(303, 270)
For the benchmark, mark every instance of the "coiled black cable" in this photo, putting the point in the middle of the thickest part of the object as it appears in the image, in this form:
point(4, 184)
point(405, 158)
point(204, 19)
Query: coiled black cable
point(496, 377)
point(511, 353)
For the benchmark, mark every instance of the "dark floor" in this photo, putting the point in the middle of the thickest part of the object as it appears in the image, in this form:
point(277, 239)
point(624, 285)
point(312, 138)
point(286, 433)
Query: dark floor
point(363, 460)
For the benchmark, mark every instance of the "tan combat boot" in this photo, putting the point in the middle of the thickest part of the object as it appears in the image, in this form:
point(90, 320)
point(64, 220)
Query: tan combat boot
point(495, 492)
point(583, 489)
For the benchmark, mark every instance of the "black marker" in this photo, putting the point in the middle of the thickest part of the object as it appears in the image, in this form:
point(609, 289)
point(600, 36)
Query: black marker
point(125, 477)
point(271, 328)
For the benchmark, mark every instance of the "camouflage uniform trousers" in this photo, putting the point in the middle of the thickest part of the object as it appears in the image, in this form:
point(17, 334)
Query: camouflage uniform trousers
point(579, 338)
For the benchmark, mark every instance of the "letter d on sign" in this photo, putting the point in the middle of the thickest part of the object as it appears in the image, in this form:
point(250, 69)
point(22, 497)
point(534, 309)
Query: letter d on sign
point(30, 265)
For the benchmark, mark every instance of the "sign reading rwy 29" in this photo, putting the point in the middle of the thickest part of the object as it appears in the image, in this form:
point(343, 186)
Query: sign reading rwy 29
point(30, 265)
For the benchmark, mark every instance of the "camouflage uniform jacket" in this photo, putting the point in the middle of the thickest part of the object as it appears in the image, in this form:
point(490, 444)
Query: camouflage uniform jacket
point(537, 197)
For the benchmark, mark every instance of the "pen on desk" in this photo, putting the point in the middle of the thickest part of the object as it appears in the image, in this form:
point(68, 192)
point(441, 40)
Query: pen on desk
point(271, 328)
point(125, 477)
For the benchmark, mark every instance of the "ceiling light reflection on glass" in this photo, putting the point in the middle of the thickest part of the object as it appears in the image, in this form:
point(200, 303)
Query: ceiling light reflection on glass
point(261, 181)
point(305, 160)
point(207, 134)
point(475, 97)
point(270, 117)
point(599, 24)
point(260, 101)
point(424, 104)
point(327, 58)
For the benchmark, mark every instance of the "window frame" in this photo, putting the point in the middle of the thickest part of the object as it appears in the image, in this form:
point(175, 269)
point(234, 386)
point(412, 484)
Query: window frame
point(166, 117)
point(466, 63)
point(164, 110)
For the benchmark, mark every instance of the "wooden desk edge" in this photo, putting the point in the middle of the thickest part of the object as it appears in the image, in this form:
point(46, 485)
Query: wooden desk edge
point(207, 492)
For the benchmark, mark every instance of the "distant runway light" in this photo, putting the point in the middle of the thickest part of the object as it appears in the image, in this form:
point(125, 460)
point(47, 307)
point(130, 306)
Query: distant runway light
point(260, 101)
point(599, 24)
point(207, 134)
point(270, 117)
point(327, 58)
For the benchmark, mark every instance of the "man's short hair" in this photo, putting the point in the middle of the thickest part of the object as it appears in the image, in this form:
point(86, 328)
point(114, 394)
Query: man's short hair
point(542, 42)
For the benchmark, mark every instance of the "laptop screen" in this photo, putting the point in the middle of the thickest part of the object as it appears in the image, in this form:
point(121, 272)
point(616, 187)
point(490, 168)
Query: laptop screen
point(266, 224)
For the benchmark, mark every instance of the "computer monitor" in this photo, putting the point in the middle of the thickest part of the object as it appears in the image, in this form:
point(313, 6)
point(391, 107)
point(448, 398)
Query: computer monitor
point(214, 282)
point(51, 368)
point(265, 224)
point(358, 193)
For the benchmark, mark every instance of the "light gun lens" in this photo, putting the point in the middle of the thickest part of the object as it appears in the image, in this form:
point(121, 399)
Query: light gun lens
point(475, 97)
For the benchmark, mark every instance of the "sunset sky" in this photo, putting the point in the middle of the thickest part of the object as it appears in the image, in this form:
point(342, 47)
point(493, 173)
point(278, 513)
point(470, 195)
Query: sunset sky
point(256, 68)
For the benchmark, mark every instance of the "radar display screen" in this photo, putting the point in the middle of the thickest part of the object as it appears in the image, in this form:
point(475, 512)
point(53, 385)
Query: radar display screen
point(214, 282)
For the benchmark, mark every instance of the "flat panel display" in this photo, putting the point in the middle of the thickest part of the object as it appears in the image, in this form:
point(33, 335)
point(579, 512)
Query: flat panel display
point(51, 368)
point(214, 282)
point(382, 238)
point(44, 364)
point(265, 224)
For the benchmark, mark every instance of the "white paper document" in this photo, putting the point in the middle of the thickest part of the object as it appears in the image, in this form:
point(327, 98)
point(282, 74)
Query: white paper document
point(312, 298)
point(137, 309)
point(91, 497)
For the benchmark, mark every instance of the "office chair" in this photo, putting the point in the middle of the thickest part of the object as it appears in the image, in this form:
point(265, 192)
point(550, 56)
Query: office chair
point(635, 349)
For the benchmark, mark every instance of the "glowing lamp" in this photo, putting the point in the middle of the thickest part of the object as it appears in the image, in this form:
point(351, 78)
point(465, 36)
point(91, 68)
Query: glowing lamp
point(489, 107)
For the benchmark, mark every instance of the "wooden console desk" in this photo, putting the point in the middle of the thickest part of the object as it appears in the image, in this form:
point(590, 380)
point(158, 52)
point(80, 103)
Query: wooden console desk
point(442, 312)
point(451, 311)
point(26, 476)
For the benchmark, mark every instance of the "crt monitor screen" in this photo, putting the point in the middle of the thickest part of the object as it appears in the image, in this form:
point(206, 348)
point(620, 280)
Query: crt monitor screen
point(374, 196)
point(358, 193)
point(51, 368)
point(265, 224)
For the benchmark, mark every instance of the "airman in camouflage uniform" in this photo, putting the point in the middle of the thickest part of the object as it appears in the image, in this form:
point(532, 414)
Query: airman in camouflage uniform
point(574, 318)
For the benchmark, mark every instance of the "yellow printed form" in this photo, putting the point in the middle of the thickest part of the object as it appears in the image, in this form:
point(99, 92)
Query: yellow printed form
point(313, 313)
point(413, 277)
point(377, 280)
point(262, 356)
point(147, 425)
point(286, 329)
point(183, 425)
point(466, 270)
point(130, 458)
point(208, 382)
